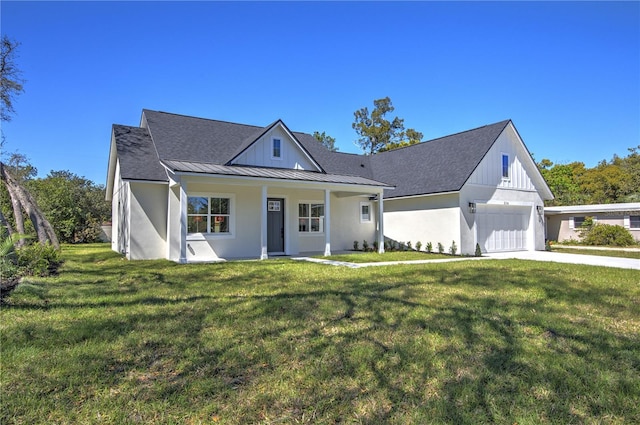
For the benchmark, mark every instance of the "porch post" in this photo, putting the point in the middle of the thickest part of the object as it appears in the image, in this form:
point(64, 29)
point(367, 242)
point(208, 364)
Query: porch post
point(263, 224)
point(183, 222)
point(327, 222)
point(380, 222)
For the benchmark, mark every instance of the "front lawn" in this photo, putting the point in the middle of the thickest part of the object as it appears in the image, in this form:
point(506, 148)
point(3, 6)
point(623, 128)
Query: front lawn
point(374, 257)
point(278, 341)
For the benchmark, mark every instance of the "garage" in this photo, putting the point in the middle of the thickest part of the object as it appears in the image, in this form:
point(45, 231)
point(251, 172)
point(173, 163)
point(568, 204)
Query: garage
point(502, 227)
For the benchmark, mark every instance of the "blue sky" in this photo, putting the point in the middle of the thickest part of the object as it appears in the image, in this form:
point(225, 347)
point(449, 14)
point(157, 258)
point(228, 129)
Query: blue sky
point(567, 74)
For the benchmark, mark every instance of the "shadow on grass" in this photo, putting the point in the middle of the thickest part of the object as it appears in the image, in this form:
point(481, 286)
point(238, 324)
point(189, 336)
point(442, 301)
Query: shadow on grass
point(460, 343)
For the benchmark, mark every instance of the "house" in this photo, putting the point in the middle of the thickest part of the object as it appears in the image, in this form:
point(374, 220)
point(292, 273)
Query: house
point(563, 223)
point(191, 189)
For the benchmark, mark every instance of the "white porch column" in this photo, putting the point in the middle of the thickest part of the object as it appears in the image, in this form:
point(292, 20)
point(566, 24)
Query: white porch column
point(183, 222)
point(380, 222)
point(327, 222)
point(263, 225)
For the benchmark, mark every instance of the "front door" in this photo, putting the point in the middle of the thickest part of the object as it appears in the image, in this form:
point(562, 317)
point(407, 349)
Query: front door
point(275, 225)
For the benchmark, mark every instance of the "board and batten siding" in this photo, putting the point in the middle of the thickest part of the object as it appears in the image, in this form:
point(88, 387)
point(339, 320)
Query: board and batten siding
point(489, 171)
point(260, 153)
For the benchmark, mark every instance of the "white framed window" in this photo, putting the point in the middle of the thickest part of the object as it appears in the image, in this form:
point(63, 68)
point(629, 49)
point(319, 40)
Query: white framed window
point(276, 148)
point(311, 217)
point(210, 214)
point(365, 212)
point(634, 221)
point(505, 167)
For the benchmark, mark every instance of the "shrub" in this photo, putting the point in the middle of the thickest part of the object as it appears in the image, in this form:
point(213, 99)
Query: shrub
point(365, 246)
point(440, 248)
point(429, 247)
point(409, 247)
point(478, 252)
point(607, 234)
point(355, 245)
point(453, 248)
point(375, 246)
point(418, 246)
point(38, 259)
point(8, 259)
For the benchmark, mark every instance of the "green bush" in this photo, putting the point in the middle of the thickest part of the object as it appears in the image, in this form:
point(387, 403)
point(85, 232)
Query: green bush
point(453, 249)
point(418, 246)
point(429, 247)
point(38, 259)
point(478, 252)
point(607, 235)
point(440, 248)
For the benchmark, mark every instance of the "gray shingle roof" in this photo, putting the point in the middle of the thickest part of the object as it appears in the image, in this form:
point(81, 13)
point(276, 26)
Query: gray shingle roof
point(194, 144)
point(437, 166)
point(137, 155)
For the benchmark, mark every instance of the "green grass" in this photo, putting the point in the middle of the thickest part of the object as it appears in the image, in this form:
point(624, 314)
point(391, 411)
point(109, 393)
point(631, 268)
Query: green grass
point(111, 341)
point(374, 257)
point(600, 252)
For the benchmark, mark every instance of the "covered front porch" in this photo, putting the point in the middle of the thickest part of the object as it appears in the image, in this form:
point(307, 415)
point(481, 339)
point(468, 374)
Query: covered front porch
point(212, 217)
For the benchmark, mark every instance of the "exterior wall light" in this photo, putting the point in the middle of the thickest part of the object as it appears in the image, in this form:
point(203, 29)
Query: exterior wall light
point(472, 207)
point(540, 209)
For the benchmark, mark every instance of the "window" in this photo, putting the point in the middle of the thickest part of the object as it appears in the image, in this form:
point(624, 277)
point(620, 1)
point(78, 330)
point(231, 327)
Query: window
point(365, 212)
point(634, 222)
point(311, 218)
point(208, 214)
point(276, 151)
point(505, 166)
point(578, 222)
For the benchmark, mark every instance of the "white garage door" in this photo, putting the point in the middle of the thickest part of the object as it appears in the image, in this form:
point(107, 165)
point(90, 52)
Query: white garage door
point(502, 227)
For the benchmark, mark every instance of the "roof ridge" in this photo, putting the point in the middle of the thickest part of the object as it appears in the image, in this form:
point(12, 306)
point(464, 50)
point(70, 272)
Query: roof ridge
point(446, 136)
point(201, 118)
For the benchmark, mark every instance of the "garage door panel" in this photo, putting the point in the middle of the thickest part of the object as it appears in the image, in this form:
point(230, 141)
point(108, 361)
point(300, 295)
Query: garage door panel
point(502, 227)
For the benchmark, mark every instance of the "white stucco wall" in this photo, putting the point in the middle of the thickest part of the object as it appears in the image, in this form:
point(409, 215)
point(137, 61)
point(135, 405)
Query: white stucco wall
point(148, 220)
point(425, 219)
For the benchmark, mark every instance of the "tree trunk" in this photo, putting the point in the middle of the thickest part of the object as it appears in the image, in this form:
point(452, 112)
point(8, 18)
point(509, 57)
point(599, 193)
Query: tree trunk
point(5, 223)
point(18, 193)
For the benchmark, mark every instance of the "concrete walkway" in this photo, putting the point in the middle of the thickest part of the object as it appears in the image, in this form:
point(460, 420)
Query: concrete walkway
point(561, 257)
point(555, 257)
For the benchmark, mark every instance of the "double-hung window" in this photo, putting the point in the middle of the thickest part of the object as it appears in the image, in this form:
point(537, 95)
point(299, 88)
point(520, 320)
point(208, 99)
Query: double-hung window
point(209, 214)
point(311, 218)
point(634, 222)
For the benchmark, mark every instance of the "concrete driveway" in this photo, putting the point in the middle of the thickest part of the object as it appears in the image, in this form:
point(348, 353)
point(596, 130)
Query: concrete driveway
point(559, 257)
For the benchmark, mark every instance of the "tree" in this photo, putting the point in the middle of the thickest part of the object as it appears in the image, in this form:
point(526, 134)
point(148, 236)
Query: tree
point(326, 140)
point(564, 181)
point(74, 204)
point(21, 200)
point(20, 196)
point(375, 131)
point(413, 137)
point(11, 82)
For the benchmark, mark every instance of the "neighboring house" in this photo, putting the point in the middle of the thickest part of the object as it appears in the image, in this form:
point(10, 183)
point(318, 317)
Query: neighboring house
point(563, 223)
point(191, 189)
